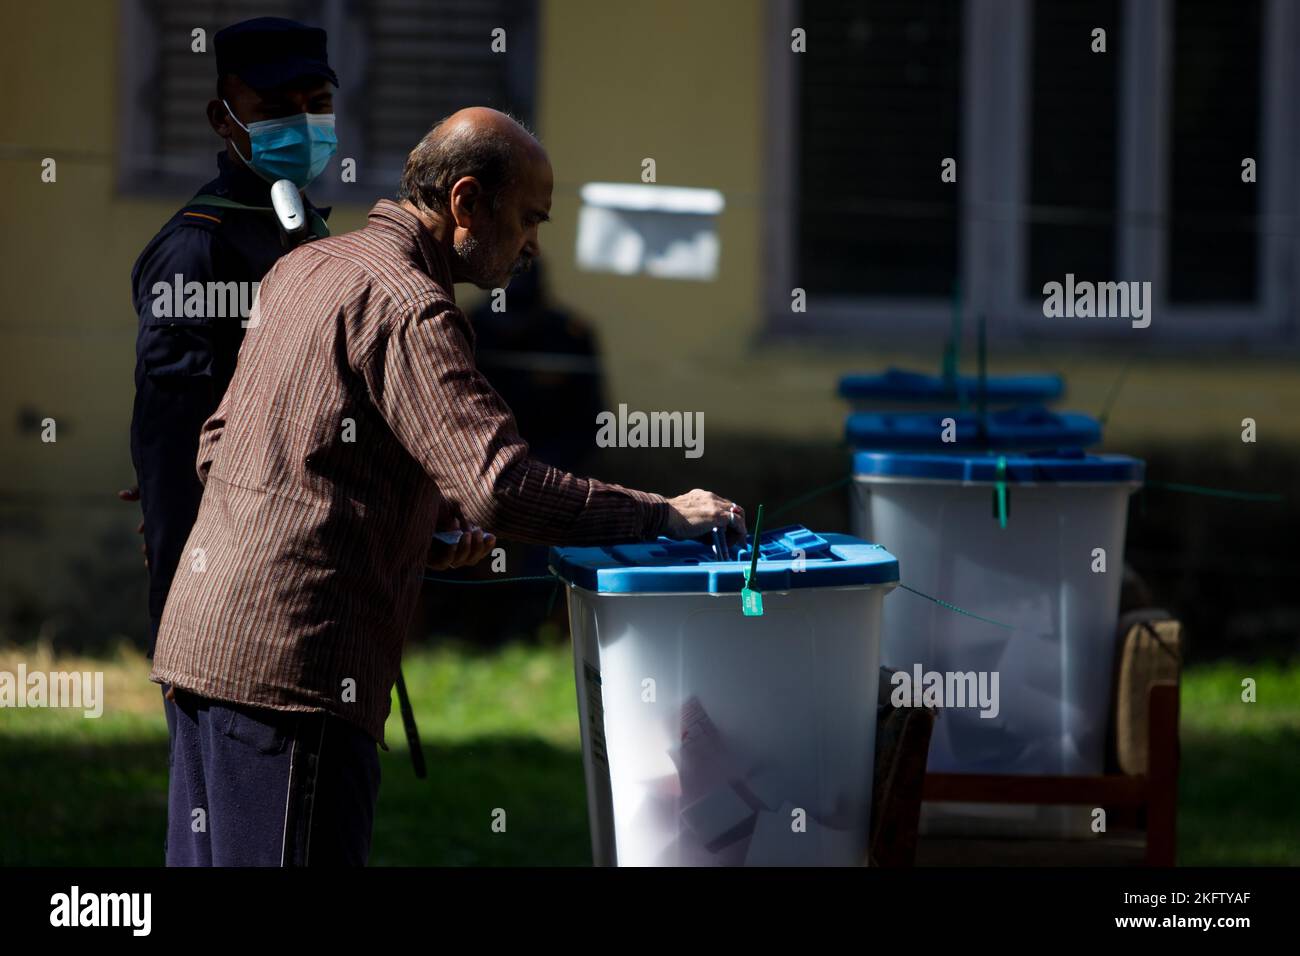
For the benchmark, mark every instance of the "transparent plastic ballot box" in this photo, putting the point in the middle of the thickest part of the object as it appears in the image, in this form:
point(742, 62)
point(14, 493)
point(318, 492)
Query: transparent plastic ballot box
point(712, 737)
point(1035, 544)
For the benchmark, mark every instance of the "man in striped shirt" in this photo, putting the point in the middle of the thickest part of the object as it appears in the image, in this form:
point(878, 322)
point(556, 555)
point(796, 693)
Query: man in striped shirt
point(357, 426)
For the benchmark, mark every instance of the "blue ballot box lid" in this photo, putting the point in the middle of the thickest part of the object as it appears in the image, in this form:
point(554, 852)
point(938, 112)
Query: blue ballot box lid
point(1061, 466)
point(1025, 429)
point(901, 385)
point(789, 558)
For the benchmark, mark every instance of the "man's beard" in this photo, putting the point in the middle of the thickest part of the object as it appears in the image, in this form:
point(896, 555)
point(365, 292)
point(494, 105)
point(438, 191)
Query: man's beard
point(473, 257)
point(476, 263)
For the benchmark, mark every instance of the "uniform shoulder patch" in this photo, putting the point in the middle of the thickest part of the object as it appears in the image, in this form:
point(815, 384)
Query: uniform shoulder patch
point(195, 217)
point(202, 213)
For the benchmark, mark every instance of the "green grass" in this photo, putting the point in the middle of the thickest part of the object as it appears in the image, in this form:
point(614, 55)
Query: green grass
point(500, 730)
point(1241, 766)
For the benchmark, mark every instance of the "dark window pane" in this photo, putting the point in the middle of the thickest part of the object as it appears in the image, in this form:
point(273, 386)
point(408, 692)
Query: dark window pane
point(418, 60)
point(429, 58)
point(183, 81)
point(1213, 243)
point(879, 108)
point(1073, 163)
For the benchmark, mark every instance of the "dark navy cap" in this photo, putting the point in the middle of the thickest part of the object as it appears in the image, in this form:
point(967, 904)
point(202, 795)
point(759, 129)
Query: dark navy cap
point(267, 52)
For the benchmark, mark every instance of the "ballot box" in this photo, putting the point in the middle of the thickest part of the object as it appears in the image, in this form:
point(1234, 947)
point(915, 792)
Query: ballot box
point(1030, 548)
point(712, 737)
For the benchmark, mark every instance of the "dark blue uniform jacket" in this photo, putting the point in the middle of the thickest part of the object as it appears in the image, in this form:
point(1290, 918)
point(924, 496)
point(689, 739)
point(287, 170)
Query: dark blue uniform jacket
point(184, 363)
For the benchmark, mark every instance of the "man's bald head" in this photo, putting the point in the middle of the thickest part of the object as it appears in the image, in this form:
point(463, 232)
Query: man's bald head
point(480, 142)
point(484, 182)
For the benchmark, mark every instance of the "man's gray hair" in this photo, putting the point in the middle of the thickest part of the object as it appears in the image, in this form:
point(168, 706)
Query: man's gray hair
point(448, 154)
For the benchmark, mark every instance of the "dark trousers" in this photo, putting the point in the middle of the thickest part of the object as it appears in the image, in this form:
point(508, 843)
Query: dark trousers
point(256, 787)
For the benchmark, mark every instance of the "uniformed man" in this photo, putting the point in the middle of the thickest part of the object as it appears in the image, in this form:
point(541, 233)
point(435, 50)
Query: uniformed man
point(274, 110)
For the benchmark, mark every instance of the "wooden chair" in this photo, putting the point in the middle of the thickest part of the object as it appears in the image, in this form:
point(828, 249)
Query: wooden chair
point(902, 747)
point(1139, 785)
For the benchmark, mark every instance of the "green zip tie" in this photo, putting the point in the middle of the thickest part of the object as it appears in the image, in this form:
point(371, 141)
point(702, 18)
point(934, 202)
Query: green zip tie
point(751, 599)
point(1000, 496)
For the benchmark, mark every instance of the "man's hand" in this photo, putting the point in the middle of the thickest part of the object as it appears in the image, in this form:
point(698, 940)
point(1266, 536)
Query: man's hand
point(133, 494)
point(697, 512)
point(474, 545)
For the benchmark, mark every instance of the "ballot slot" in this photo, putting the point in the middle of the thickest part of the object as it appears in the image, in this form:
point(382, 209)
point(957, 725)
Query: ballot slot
point(721, 548)
point(789, 543)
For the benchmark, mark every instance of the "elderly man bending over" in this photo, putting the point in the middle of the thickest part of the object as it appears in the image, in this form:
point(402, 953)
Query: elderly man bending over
point(355, 427)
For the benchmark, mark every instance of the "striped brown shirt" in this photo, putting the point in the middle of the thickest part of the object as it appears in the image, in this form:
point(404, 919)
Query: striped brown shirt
point(355, 426)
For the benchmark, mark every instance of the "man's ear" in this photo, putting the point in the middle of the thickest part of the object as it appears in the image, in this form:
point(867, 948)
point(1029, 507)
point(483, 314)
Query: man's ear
point(219, 119)
point(466, 195)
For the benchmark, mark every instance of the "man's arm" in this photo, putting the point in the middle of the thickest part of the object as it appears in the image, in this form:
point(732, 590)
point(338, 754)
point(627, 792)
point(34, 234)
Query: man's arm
point(422, 378)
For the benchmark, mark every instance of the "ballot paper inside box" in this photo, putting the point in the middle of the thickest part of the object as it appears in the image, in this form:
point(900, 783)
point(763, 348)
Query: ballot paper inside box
point(692, 770)
point(721, 809)
point(695, 772)
point(1054, 614)
point(1054, 650)
point(697, 720)
point(719, 791)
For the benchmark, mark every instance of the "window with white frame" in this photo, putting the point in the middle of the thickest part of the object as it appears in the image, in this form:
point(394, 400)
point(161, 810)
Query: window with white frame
point(877, 106)
point(402, 65)
point(1072, 176)
point(1211, 234)
point(1118, 165)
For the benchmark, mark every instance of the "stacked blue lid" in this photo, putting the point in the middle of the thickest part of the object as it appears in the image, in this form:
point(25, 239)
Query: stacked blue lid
point(1065, 465)
point(1026, 429)
point(1017, 445)
point(789, 558)
point(899, 385)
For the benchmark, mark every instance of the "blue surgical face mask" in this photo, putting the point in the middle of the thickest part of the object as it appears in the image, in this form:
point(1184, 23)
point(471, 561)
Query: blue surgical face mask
point(295, 148)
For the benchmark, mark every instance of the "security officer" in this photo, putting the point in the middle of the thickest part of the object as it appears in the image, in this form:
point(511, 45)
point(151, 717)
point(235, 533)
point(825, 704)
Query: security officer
point(274, 110)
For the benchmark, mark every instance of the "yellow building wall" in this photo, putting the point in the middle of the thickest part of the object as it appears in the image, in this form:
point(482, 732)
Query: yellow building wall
point(680, 82)
point(683, 88)
point(67, 325)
